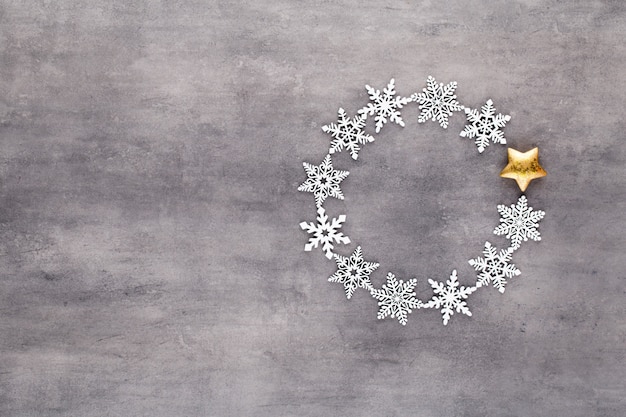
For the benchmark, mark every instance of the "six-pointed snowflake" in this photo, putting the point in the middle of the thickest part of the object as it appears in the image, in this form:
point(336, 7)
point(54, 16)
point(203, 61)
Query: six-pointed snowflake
point(485, 126)
point(437, 102)
point(449, 297)
point(348, 133)
point(325, 233)
point(519, 222)
point(494, 267)
point(385, 106)
point(323, 180)
point(396, 298)
point(353, 272)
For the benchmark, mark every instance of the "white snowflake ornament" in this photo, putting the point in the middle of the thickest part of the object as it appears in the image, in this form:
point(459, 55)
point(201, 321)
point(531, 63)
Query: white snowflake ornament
point(437, 102)
point(323, 180)
point(325, 233)
point(494, 267)
point(485, 126)
point(347, 133)
point(385, 106)
point(396, 298)
point(519, 222)
point(449, 297)
point(353, 272)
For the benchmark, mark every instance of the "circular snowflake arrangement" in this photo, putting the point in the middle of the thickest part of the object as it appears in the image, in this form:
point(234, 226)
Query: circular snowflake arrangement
point(396, 298)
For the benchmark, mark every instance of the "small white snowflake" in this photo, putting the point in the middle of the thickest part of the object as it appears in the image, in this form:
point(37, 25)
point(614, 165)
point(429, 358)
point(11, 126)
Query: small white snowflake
point(494, 267)
point(347, 133)
point(385, 106)
point(323, 181)
point(353, 272)
point(396, 298)
point(437, 102)
point(519, 222)
point(485, 126)
point(449, 297)
point(325, 233)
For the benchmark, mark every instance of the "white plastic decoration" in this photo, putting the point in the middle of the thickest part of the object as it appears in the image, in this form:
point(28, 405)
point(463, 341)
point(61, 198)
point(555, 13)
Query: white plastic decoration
point(353, 272)
point(494, 267)
point(519, 222)
point(397, 298)
point(347, 133)
point(485, 126)
point(449, 297)
point(437, 102)
point(385, 106)
point(325, 233)
point(323, 181)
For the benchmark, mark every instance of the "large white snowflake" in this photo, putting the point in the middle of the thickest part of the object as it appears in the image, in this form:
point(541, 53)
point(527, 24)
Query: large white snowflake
point(485, 126)
point(325, 233)
point(347, 133)
point(385, 106)
point(323, 180)
point(353, 272)
point(449, 297)
point(494, 267)
point(519, 222)
point(437, 102)
point(396, 299)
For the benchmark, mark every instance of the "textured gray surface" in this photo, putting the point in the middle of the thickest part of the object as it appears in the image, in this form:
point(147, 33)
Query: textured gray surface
point(151, 260)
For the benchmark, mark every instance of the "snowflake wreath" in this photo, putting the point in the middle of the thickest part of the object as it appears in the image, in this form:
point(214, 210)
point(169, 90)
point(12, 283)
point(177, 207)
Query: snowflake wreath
point(396, 298)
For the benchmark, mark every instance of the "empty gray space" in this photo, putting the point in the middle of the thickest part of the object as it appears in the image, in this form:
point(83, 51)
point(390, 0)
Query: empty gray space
point(150, 255)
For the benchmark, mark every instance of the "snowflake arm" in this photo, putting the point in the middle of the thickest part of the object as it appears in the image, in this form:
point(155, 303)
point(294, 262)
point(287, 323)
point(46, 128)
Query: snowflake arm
point(396, 298)
point(519, 222)
point(325, 233)
point(384, 105)
point(449, 297)
point(347, 133)
point(494, 267)
point(353, 272)
point(485, 126)
point(437, 102)
point(323, 181)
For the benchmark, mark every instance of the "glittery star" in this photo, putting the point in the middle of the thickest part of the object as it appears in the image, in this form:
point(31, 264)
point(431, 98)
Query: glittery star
point(523, 167)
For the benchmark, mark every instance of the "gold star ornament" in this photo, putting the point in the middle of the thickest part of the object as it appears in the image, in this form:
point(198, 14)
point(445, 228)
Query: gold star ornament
point(523, 167)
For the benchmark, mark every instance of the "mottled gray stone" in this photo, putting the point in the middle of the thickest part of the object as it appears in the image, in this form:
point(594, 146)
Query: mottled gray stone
point(151, 259)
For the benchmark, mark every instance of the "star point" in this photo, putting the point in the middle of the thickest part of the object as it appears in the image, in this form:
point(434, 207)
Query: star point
point(523, 167)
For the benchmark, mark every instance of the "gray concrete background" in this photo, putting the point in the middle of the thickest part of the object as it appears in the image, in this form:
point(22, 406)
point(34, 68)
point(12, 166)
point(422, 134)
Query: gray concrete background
point(151, 260)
